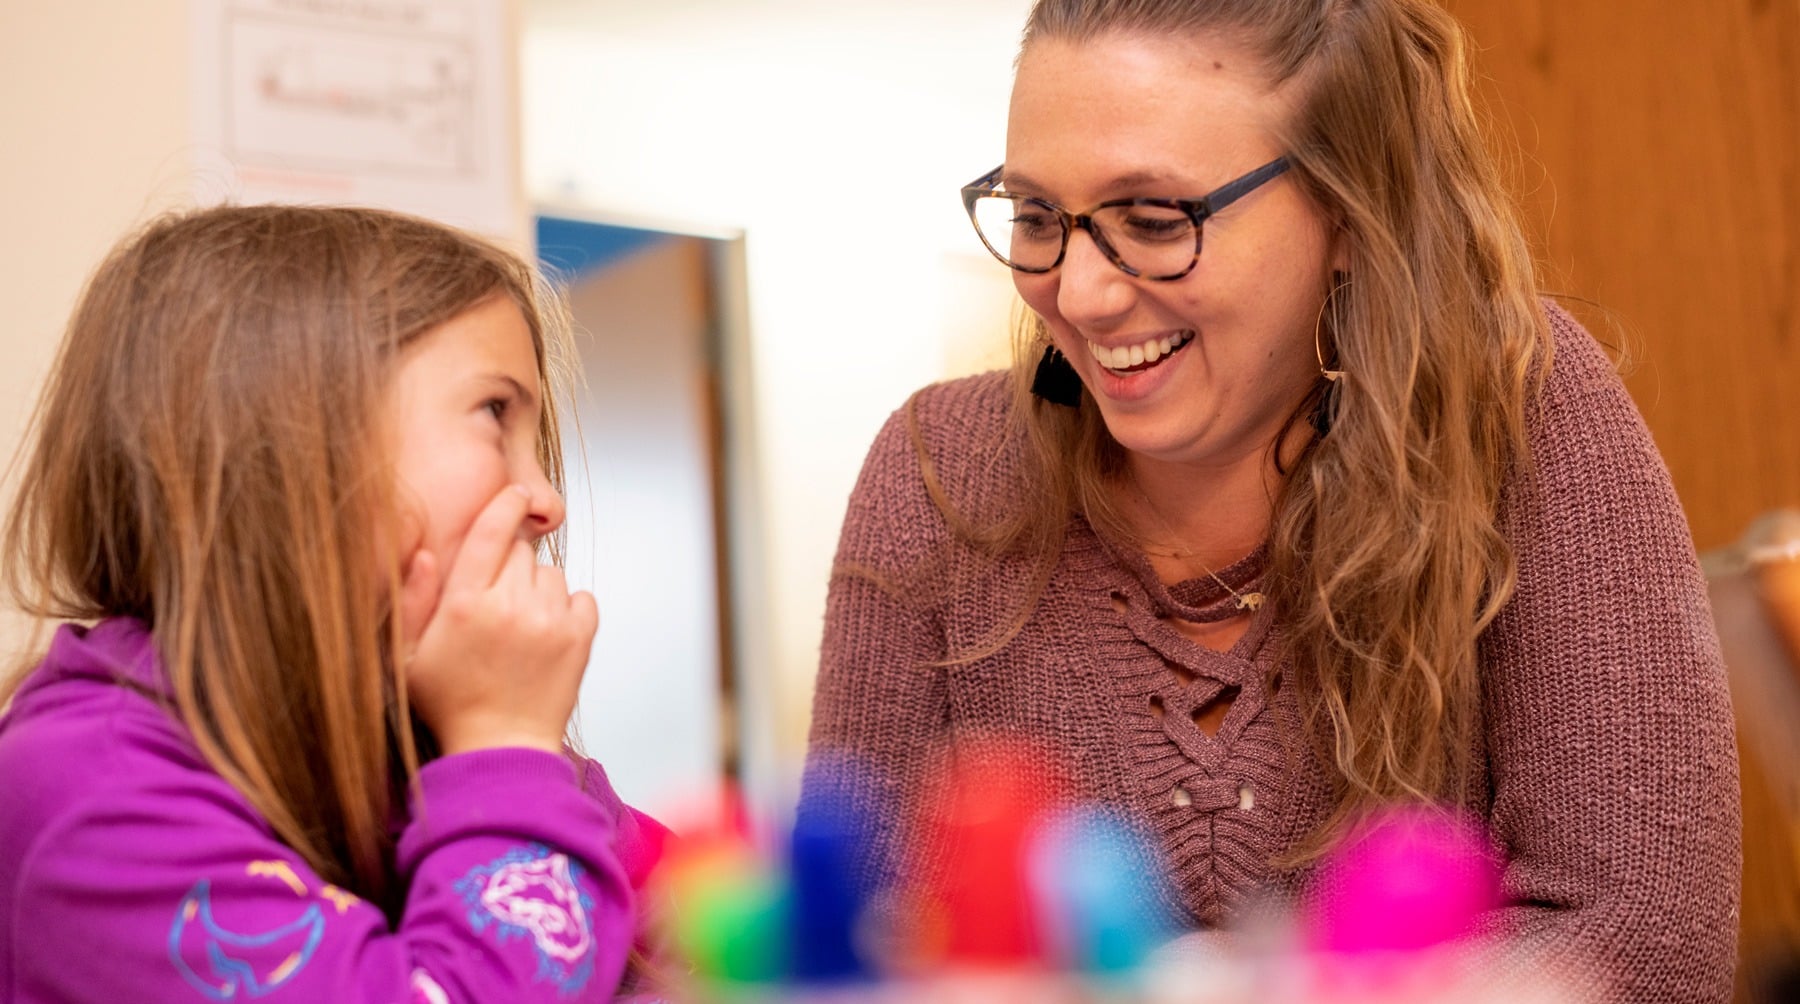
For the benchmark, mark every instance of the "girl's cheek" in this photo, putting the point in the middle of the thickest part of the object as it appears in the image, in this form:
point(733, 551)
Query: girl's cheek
point(410, 535)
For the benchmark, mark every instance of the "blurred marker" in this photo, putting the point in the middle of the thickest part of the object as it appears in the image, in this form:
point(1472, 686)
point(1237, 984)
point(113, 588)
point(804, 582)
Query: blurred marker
point(829, 885)
point(1409, 880)
point(984, 813)
point(1087, 866)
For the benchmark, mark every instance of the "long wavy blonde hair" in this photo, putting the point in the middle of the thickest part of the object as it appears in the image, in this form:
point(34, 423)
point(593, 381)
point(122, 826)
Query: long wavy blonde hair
point(1386, 560)
point(207, 457)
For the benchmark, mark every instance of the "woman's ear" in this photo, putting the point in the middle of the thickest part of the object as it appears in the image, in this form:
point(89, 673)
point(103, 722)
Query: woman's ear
point(1340, 249)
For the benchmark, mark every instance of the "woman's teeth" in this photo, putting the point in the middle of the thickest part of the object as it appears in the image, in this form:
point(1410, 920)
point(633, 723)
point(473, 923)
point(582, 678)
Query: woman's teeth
point(1142, 356)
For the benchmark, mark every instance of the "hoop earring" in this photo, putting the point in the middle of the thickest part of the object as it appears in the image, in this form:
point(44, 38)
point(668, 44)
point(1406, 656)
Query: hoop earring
point(1056, 380)
point(1325, 415)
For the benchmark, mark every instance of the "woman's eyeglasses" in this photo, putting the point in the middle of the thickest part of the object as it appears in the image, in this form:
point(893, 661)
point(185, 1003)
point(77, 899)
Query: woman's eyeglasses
point(1151, 238)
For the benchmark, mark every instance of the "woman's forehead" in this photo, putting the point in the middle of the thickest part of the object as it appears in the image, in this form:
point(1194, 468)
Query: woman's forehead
point(1119, 110)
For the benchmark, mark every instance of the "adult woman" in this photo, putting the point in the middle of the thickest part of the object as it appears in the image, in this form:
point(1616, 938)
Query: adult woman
point(1326, 511)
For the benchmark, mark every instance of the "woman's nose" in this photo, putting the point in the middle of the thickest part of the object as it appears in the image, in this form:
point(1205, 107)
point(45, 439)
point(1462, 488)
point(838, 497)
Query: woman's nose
point(1091, 290)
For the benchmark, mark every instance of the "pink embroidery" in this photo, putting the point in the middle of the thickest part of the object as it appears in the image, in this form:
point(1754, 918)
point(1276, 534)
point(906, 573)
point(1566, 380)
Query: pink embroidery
point(425, 990)
point(541, 897)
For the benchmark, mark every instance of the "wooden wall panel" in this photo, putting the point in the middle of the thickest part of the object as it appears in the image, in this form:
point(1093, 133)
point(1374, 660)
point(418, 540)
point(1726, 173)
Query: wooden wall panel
point(1754, 613)
point(1658, 162)
point(1661, 173)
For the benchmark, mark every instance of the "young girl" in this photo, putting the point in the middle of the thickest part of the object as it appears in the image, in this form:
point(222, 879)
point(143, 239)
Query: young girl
point(293, 476)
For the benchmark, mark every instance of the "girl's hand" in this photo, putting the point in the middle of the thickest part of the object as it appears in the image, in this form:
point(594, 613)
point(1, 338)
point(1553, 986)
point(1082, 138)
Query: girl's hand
point(497, 656)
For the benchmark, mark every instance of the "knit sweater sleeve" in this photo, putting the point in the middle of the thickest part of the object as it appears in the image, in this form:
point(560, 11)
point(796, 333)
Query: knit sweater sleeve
point(1611, 750)
point(513, 893)
point(880, 708)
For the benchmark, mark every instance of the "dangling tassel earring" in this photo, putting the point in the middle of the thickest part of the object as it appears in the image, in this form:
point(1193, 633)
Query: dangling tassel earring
point(1325, 415)
point(1056, 381)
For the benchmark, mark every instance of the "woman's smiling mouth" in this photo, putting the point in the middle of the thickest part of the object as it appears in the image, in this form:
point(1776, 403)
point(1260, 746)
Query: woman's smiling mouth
point(1142, 356)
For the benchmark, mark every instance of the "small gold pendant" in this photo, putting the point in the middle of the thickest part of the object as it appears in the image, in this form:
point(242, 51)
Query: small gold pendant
point(1250, 601)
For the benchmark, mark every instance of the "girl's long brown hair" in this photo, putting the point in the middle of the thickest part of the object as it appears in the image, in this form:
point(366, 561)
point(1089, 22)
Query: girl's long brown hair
point(1387, 560)
point(208, 457)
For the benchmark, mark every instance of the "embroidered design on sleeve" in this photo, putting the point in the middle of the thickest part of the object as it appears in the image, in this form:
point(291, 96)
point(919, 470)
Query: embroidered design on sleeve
point(220, 963)
point(339, 898)
point(425, 990)
point(535, 892)
point(277, 870)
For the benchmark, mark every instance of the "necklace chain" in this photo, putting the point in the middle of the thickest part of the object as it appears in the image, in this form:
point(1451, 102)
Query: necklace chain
point(1245, 601)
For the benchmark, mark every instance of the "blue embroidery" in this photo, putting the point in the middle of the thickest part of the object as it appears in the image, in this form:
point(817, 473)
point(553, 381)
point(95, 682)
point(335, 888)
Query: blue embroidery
point(254, 963)
point(534, 892)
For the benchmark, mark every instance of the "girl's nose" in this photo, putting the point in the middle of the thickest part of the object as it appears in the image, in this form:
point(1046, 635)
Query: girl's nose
point(547, 509)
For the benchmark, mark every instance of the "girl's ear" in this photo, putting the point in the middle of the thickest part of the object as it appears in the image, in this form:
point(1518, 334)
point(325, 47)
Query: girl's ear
point(399, 541)
point(408, 524)
point(420, 583)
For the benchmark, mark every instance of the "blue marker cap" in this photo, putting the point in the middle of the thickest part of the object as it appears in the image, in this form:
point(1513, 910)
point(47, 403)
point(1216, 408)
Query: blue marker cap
point(829, 883)
point(1097, 909)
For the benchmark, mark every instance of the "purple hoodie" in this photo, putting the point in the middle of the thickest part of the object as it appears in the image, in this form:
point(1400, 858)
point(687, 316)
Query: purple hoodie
point(131, 871)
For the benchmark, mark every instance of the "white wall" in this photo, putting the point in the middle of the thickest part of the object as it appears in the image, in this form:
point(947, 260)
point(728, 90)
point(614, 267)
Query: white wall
point(94, 121)
point(835, 136)
point(788, 119)
point(640, 500)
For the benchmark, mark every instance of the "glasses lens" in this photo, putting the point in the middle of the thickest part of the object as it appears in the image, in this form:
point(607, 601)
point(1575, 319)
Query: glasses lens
point(1025, 233)
point(1155, 240)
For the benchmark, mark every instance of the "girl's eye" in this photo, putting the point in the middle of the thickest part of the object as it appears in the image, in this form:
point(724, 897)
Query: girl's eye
point(495, 407)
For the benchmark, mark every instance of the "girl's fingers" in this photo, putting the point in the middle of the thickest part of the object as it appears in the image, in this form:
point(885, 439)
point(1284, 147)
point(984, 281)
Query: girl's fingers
point(488, 545)
point(576, 613)
point(552, 586)
point(521, 565)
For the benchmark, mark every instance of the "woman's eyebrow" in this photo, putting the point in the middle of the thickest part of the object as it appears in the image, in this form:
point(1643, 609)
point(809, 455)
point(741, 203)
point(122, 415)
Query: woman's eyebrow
point(1012, 181)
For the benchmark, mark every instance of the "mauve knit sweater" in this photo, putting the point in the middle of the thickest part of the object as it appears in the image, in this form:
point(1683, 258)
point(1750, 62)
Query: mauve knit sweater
point(1607, 738)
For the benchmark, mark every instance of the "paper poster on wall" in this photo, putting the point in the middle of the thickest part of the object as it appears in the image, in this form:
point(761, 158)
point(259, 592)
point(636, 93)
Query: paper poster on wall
point(408, 104)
